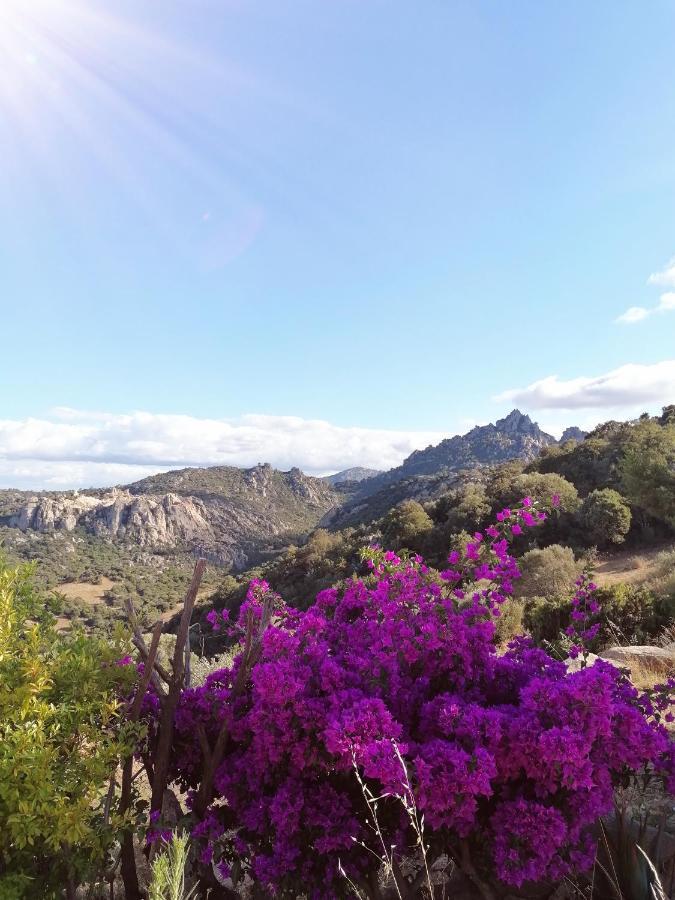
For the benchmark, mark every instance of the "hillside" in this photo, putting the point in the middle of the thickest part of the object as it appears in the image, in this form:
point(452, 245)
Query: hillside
point(224, 513)
point(426, 474)
point(142, 538)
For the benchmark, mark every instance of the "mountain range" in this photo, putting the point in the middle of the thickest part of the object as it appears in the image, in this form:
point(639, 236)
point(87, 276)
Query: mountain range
point(235, 516)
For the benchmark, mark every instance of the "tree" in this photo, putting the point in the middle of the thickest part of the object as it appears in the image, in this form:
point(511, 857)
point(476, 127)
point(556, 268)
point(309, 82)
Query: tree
point(667, 416)
point(648, 470)
point(405, 525)
point(606, 517)
point(470, 508)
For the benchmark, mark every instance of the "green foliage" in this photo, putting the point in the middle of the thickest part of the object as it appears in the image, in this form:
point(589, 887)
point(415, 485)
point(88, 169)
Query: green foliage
point(667, 416)
point(550, 572)
point(541, 487)
point(156, 582)
point(406, 525)
point(60, 740)
point(648, 470)
point(546, 618)
point(510, 622)
point(606, 517)
point(168, 871)
point(470, 504)
point(630, 615)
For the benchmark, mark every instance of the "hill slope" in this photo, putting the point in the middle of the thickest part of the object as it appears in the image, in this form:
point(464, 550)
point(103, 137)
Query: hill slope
point(428, 473)
point(229, 515)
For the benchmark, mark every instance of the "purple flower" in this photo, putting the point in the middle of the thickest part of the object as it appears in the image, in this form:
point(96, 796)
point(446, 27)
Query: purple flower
point(510, 751)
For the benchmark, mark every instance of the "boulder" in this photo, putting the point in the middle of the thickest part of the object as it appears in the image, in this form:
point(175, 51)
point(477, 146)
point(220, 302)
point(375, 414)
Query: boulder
point(642, 658)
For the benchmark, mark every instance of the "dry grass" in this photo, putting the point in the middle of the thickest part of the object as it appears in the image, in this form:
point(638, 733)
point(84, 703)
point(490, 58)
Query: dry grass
point(645, 675)
point(635, 568)
point(85, 590)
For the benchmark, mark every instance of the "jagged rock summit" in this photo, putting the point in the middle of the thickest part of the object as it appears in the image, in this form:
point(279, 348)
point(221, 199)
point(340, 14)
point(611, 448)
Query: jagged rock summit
point(515, 436)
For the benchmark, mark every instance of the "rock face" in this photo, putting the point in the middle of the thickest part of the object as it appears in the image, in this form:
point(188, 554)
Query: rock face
point(515, 436)
point(222, 512)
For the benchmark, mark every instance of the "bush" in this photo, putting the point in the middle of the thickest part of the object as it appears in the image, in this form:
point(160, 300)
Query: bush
point(510, 623)
point(550, 572)
point(406, 525)
point(546, 618)
point(629, 615)
point(60, 740)
point(507, 758)
point(606, 517)
point(541, 487)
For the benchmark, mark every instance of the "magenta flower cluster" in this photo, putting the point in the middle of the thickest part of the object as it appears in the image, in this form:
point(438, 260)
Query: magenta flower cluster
point(511, 759)
point(584, 625)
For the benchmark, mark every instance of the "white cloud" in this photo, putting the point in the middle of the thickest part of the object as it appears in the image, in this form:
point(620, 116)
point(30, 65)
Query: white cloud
point(73, 448)
point(633, 314)
point(623, 388)
point(664, 278)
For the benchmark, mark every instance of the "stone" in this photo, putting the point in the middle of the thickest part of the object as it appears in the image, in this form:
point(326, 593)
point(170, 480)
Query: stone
point(653, 659)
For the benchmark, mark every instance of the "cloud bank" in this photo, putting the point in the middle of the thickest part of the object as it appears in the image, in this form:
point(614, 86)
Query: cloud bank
point(71, 448)
point(627, 387)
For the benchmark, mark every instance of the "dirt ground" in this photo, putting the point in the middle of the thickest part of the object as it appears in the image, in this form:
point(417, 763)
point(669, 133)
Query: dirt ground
point(628, 567)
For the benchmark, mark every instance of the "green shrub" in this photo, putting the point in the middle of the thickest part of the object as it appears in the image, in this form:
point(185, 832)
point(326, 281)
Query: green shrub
point(510, 623)
point(60, 739)
point(629, 615)
point(550, 572)
point(606, 517)
point(406, 525)
point(546, 618)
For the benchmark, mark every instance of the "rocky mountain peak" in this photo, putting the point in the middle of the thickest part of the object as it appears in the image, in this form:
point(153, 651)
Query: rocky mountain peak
point(517, 423)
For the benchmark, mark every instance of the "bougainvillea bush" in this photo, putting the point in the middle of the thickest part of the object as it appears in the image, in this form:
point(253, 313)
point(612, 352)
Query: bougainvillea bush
point(509, 758)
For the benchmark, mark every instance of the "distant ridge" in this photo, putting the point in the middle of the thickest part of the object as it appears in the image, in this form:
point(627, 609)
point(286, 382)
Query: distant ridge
point(227, 514)
point(515, 436)
point(355, 474)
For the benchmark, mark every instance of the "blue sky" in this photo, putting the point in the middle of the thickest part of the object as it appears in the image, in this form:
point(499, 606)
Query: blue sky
point(380, 215)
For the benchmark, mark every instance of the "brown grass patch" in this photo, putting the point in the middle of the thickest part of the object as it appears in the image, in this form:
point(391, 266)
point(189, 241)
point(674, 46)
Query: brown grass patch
point(85, 591)
point(628, 567)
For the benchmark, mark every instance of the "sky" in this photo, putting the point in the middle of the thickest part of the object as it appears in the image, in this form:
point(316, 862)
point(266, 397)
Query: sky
point(324, 233)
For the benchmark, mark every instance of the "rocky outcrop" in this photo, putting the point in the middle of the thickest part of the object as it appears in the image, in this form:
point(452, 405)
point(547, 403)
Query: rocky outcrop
point(515, 436)
point(642, 658)
point(225, 514)
point(573, 434)
point(49, 513)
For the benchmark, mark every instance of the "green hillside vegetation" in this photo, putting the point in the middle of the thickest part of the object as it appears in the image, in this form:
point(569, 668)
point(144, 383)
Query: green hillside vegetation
point(608, 499)
point(156, 581)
